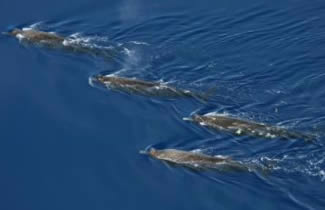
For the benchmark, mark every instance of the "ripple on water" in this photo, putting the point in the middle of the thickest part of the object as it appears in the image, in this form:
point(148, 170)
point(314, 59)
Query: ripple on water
point(264, 63)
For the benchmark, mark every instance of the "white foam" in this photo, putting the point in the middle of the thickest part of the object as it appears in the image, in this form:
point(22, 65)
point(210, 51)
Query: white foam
point(187, 119)
point(322, 175)
point(82, 41)
point(35, 25)
point(217, 114)
point(65, 42)
point(115, 74)
point(221, 156)
point(268, 135)
point(91, 81)
point(128, 52)
point(158, 87)
point(239, 131)
point(76, 35)
point(197, 151)
point(140, 43)
point(27, 29)
point(20, 36)
point(78, 41)
point(307, 164)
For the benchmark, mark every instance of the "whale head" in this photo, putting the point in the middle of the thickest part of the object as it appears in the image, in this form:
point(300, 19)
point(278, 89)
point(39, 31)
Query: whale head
point(17, 33)
point(14, 32)
point(96, 81)
point(102, 78)
point(164, 154)
point(150, 151)
point(197, 118)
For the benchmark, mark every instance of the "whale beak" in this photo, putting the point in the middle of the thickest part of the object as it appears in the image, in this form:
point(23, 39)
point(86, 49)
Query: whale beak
point(5, 33)
point(147, 151)
point(187, 119)
point(143, 152)
point(95, 81)
point(91, 81)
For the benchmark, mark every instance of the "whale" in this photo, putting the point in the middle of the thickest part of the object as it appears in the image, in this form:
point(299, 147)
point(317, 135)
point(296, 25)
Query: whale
point(199, 161)
point(236, 126)
point(144, 88)
point(56, 41)
point(35, 36)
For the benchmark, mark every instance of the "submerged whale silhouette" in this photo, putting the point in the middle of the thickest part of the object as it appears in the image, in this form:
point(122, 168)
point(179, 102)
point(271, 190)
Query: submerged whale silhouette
point(199, 161)
point(146, 88)
point(55, 41)
point(244, 127)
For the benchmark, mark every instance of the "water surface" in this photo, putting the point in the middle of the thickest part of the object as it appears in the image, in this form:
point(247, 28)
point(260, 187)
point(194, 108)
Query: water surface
point(68, 145)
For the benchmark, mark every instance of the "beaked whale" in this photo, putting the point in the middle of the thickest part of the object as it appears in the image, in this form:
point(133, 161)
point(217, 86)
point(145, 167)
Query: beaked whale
point(35, 36)
point(199, 161)
point(245, 127)
point(55, 41)
point(145, 88)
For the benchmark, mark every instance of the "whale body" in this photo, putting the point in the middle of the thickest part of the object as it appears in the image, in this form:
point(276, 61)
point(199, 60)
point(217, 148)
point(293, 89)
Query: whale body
point(198, 161)
point(145, 88)
point(35, 36)
point(55, 41)
point(244, 127)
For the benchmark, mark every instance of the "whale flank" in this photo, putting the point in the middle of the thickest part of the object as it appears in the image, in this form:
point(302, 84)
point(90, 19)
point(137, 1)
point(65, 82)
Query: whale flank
point(55, 41)
point(200, 161)
point(142, 87)
point(244, 127)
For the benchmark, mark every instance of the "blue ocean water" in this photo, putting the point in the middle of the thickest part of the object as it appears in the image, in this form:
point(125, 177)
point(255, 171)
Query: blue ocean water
point(65, 144)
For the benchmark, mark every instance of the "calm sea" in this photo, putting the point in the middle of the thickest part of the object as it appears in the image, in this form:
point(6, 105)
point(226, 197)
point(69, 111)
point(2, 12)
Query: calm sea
point(65, 144)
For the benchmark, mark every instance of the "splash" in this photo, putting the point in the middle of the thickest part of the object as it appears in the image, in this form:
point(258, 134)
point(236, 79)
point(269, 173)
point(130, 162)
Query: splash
point(310, 164)
point(91, 42)
point(129, 11)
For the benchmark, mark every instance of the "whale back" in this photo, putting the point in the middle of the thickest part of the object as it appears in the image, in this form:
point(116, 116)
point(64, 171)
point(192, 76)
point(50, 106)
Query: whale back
point(35, 36)
point(245, 127)
point(142, 87)
point(187, 158)
point(198, 161)
point(113, 80)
